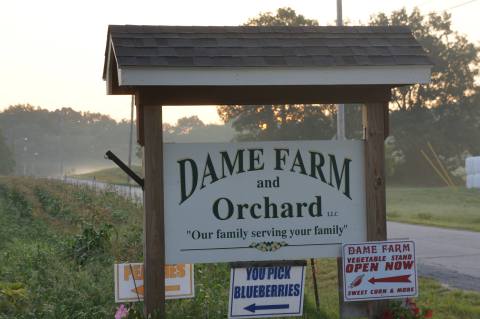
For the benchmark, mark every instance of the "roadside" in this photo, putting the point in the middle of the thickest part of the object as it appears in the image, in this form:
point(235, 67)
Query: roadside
point(456, 208)
point(451, 256)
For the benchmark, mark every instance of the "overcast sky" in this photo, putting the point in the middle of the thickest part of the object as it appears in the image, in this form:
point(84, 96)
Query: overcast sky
point(51, 52)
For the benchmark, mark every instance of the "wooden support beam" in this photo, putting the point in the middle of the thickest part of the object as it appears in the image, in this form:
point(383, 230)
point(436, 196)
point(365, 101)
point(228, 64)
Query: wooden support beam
point(374, 123)
point(153, 223)
point(139, 118)
point(264, 95)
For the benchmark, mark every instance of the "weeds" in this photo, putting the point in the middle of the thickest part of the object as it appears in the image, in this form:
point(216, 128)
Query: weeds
point(53, 268)
point(90, 242)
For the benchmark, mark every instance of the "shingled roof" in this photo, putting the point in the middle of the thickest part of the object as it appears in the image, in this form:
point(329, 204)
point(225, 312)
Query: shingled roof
point(197, 47)
point(182, 46)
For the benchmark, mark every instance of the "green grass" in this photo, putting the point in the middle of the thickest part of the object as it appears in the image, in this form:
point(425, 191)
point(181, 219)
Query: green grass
point(112, 175)
point(58, 244)
point(443, 207)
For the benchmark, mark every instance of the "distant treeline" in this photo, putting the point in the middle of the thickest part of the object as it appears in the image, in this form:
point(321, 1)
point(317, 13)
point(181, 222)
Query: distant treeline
point(65, 141)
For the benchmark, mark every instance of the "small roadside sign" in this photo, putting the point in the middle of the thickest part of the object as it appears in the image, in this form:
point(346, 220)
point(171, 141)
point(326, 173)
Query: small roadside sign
point(271, 291)
point(179, 282)
point(379, 270)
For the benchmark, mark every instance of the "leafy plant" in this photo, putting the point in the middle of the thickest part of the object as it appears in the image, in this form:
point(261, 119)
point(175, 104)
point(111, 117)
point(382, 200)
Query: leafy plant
point(91, 241)
point(406, 310)
point(13, 297)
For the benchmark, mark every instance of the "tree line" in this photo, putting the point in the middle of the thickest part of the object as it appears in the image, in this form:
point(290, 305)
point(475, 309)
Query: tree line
point(36, 141)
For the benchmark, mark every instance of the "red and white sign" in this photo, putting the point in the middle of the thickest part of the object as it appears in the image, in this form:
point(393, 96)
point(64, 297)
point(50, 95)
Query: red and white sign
point(379, 270)
point(179, 282)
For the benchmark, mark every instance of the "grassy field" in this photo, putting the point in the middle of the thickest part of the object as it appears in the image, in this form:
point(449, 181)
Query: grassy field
point(110, 175)
point(58, 244)
point(443, 207)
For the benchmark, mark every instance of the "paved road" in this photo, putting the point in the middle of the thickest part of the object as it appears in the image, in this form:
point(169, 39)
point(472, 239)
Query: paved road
point(452, 256)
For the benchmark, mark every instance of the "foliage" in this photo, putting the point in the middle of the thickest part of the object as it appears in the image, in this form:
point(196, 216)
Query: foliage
point(281, 122)
point(39, 277)
point(283, 17)
point(12, 297)
point(445, 112)
point(90, 242)
point(7, 163)
point(37, 248)
point(55, 142)
point(455, 61)
point(193, 130)
point(393, 157)
point(406, 310)
point(59, 142)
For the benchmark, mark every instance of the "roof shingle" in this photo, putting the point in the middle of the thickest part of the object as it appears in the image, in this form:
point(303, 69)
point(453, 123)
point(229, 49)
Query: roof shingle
point(184, 46)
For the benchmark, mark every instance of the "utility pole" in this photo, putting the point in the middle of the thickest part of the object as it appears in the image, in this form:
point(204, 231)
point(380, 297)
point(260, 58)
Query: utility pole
point(340, 107)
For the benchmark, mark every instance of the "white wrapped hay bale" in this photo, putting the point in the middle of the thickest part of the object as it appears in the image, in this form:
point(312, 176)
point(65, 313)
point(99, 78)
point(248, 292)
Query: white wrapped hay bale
point(476, 181)
point(470, 181)
point(469, 166)
point(476, 165)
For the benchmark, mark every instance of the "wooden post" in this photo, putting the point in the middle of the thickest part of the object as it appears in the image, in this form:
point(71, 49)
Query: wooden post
point(153, 227)
point(357, 309)
point(375, 123)
point(375, 118)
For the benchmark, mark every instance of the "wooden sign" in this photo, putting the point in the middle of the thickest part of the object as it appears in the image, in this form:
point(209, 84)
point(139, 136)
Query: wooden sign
point(263, 200)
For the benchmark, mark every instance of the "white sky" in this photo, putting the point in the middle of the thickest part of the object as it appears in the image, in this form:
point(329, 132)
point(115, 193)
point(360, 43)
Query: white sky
point(51, 52)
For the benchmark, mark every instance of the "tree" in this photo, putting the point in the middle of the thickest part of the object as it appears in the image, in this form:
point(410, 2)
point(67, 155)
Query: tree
point(443, 112)
point(266, 122)
point(55, 142)
point(456, 60)
point(7, 163)
point(284, 17)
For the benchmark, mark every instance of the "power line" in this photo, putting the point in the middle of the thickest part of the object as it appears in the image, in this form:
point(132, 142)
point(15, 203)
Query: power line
point(461, 4)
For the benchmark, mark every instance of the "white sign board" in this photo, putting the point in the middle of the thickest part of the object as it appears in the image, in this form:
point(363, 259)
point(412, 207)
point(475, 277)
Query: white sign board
point(263, 200)
point(179, 282)
point(379, 270)
point(259, 292)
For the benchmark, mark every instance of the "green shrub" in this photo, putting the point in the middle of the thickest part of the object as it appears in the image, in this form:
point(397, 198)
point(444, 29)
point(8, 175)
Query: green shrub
point(90, 242)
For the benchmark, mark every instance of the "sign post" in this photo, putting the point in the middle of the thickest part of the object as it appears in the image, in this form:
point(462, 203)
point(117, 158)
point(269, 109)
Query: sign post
point(153, 222)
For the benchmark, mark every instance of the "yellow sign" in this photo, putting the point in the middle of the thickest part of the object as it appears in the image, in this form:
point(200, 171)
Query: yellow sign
point(179, 282)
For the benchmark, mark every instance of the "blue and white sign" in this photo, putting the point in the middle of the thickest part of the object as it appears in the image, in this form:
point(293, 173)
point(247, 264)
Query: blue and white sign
point(260, 292)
